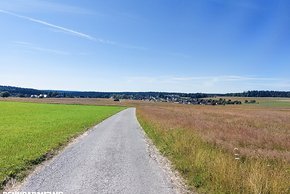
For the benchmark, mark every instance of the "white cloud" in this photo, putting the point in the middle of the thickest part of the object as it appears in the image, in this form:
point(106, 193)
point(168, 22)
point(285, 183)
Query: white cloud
point(33, 47)
point(207, 84)
point(223, 78)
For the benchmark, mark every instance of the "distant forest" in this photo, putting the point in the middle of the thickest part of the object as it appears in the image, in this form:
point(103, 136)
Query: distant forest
point(27, 92)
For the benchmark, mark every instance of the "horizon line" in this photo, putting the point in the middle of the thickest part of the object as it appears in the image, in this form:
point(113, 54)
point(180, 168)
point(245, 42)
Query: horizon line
point(66, 90)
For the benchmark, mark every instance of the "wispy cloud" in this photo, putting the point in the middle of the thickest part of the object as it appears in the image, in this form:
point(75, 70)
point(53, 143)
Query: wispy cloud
point(226, 78)
point(33, 47)
point(216, 84)
point(72, 32)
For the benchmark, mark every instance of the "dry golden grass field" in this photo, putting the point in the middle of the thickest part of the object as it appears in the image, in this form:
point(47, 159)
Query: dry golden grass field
point(224, 149)
point(218, 149)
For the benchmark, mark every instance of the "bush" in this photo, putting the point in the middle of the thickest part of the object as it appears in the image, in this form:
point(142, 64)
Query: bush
point(4, 94)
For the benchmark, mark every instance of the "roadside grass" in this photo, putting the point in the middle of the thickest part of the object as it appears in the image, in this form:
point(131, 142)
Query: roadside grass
point(206, 158)
point(30, 132)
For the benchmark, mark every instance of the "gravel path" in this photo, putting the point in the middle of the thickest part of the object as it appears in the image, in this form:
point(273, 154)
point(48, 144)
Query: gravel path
point(113, 157)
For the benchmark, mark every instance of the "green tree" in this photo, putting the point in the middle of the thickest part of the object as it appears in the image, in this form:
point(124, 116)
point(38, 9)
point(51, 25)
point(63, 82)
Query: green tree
point(4, 94)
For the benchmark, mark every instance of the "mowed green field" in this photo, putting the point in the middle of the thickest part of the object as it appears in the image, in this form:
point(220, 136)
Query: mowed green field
point(272, 102)
point(265, 101)
point(262, 101)
point(28, 131)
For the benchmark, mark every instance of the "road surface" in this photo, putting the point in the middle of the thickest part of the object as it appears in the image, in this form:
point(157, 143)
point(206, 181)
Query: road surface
point(111, 158)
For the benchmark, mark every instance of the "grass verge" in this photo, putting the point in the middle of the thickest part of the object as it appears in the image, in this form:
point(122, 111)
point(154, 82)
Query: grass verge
point(30, 133)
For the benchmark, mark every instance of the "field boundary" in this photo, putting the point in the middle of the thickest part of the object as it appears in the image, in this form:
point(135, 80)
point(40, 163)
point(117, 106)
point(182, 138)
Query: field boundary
point(176, 179)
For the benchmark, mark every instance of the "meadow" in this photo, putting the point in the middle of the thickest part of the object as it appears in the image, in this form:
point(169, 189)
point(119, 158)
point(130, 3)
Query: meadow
point(30, 132)
point(224, 149)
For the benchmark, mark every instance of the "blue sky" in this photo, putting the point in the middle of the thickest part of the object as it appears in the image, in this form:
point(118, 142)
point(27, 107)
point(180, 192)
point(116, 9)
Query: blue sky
point(153, 45)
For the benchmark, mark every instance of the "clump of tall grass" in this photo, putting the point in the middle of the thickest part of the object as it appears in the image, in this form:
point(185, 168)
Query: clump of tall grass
point(209, 168)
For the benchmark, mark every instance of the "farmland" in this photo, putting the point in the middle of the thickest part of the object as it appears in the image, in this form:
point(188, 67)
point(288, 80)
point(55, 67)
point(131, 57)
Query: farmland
point(228, 149)
point(217, 149)
point(30, 132)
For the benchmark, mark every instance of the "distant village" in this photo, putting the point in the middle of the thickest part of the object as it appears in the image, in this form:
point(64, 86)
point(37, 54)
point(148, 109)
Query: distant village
point(172, 99)
point(187, 100)
point(39, 96)
point(198, 101)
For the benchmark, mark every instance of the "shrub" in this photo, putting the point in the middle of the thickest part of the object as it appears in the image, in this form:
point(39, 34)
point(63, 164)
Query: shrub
point(4, 94)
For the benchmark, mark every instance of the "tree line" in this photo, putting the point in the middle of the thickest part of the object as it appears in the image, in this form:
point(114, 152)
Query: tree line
point(6, 91)
point(257, 93)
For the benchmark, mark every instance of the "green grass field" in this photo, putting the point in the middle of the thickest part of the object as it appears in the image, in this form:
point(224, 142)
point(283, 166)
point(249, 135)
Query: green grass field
point(262, 101)
point(29, 131)
point(272, 102)
point(265, 102)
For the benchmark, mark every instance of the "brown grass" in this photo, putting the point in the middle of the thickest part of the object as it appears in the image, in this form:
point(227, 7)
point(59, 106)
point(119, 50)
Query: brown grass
point(84, 101)
point(201, 142)
point(256, 131)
